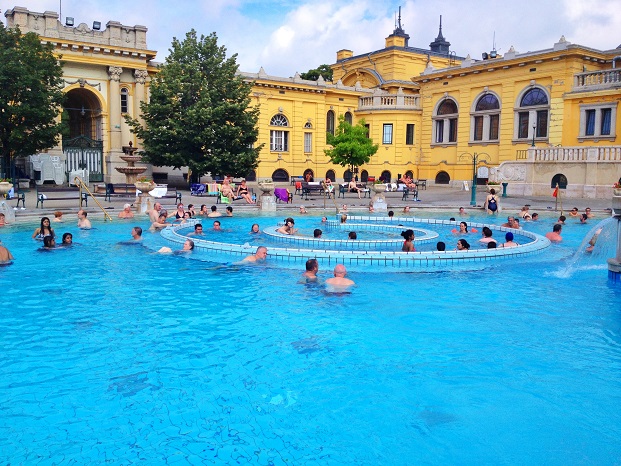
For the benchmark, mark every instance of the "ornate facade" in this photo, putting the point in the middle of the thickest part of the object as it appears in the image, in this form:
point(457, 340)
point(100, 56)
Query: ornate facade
point(533, 119)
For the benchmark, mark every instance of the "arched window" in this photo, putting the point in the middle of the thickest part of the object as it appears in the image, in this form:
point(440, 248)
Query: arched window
point(559, 179)
point(331, 175)
point(443, 178)
point(349, 118)
point(330, 122)
point(532, 114)
point(279, 139)
point(445, 123)
point(485, 119)
point(280, 175)
point(124, 100)
point(364, 176)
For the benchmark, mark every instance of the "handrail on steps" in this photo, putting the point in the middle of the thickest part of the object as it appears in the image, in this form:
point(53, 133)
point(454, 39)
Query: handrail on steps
point(80, 184)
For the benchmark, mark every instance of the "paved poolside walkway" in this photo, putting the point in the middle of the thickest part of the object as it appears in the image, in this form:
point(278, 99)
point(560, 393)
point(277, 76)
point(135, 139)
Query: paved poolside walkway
point(437, 197)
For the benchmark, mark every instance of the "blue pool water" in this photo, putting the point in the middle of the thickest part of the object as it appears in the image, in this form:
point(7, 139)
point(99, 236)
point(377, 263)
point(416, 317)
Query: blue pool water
point(112, 353)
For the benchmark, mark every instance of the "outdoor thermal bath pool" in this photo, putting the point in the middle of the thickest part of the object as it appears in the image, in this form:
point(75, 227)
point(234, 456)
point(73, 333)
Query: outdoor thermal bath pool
point(114, 354)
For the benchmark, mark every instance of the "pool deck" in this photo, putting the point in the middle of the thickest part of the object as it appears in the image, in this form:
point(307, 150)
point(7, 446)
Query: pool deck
point(434, 197)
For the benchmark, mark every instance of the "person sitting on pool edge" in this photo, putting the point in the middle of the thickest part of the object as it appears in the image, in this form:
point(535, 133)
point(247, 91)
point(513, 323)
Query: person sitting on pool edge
point(259, 256)
point(339, 281)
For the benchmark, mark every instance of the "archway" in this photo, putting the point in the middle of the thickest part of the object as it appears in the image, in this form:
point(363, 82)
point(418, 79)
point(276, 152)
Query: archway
point(280, 175)
point(409, 174)
point(252, 176)
point(364, 176)
point(310, 172)
point(82, 115)
point(385, 176)
point(443, 178)
point(331, 175)
point(560, 179)
point(347, 176)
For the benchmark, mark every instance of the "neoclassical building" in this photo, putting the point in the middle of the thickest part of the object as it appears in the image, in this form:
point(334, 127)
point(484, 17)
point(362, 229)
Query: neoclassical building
point(531, 119)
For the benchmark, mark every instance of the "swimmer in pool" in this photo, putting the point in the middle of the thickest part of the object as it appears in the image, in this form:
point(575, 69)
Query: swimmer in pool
point(258, 256)
point(339, 282)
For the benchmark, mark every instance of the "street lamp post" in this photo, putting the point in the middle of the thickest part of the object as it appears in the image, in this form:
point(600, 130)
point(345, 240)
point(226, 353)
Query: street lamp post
point(476, 159)
point(534, 131)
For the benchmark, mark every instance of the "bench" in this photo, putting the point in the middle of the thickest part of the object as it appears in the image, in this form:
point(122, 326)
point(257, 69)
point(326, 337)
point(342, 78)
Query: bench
point(19, 195)
point(422, 184)
point(312, 187)
point(344, 188)
point(60, 193)
point(410, 191)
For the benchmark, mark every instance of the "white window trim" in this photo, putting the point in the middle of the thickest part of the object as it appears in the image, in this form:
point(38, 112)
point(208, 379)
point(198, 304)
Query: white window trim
point(384, 126)
point(598, 121)
point(308, 142)
point(532, 117)
point(447, 125)
point(279, 140)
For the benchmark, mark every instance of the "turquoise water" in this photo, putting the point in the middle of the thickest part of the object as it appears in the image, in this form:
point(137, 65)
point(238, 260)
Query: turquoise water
point(114, 354)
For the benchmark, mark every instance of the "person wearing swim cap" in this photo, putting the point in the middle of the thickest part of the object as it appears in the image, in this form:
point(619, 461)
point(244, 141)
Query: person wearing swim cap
point(509, 243)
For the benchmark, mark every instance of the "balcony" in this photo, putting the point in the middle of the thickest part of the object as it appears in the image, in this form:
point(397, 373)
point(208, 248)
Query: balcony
point(598, 154)
point(389, 102)
point(597, 80)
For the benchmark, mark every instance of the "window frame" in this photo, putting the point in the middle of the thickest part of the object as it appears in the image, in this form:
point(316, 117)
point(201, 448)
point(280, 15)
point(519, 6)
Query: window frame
point(330, 122)
point(534, 115)
point(308, 142)
point(445, 126)
point(124, 100)
point(410, 128)
point(279, 138)
point(387, 137)
point(598, 110)
point(485, 124)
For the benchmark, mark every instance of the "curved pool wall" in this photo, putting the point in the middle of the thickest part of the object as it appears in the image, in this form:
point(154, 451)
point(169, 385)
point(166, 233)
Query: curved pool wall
point(300, 250)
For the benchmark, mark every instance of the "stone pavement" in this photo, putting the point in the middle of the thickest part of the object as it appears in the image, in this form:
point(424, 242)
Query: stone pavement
point(434, 197)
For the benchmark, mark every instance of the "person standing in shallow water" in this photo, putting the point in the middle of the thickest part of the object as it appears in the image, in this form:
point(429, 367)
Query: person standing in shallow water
point(339, 282)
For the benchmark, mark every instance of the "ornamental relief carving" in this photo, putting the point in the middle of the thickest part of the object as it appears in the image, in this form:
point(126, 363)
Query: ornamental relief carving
point(115, 73)
point(509, 171)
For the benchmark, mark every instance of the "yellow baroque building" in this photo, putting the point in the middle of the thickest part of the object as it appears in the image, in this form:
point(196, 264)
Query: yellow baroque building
point(533, 119)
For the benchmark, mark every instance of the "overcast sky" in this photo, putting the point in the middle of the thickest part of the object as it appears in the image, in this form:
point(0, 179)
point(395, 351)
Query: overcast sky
point(287, 36)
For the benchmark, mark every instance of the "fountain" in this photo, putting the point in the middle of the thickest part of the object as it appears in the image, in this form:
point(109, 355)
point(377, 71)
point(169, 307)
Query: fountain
point(131, 173)
point(266, 201)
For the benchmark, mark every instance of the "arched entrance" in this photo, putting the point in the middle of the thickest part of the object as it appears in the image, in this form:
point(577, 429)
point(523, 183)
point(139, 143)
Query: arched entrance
point(280, 175)
point(364, 176)
point(385, 176)
point(82, 133)
point(560, 179)
point(443, 178)
point(252, 176)
point(308, 172)
point(331, 175)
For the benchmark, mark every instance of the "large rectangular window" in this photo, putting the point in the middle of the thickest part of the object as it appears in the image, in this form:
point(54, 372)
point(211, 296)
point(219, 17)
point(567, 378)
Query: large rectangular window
point(606, 119)
point(409, 134)
point(439, 131)
point(308, 142)
point(542, 123)
point(590, 123)
point(279, 141)
point(598, 121)
point(387, 134)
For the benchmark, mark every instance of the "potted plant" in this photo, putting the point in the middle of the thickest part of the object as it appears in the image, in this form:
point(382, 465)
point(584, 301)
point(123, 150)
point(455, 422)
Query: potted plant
point(5, 186)
point(616, 188)
point(144, 184)
point(492, 185)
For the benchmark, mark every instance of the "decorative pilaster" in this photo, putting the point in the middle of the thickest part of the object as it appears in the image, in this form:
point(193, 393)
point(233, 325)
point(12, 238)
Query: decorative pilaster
point(141, 77)
point(114, 72)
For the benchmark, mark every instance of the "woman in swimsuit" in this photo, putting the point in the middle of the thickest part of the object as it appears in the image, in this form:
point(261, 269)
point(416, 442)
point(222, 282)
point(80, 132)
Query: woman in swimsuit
point(180, 214)
point(242, 191)
point(287, 228)
point(408, 244)
point(44, 230)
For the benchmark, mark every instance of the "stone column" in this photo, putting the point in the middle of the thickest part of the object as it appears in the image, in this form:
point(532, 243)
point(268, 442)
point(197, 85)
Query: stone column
point(115, 150)
point(140, 76)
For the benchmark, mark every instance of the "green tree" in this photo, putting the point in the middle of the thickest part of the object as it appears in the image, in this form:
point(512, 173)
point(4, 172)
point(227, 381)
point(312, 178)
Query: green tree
point(199, 112)
point(351, 146)
point(31, 95)
point(321, 70)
